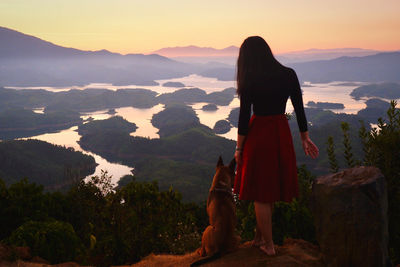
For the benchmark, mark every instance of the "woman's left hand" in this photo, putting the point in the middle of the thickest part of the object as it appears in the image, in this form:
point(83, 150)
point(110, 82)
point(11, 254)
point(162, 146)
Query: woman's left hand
point(238, 157)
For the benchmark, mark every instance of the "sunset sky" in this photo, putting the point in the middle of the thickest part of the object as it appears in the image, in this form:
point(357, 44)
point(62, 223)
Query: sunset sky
point(142, 26)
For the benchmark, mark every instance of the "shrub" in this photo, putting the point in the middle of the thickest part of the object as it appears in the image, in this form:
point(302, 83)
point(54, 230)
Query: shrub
point(53, 240)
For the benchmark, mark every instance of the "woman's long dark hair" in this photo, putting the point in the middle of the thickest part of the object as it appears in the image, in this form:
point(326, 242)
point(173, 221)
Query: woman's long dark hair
point(255, 59)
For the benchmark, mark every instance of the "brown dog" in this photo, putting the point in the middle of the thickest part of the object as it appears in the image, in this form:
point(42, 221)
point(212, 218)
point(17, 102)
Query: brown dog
point(219, 237)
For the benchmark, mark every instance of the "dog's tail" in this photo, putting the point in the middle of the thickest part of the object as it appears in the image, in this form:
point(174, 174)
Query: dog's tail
point(206, 259)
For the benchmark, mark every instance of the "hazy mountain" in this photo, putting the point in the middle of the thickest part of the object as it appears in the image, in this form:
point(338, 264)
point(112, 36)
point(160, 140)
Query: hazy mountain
point(195, 54)
point(375, 68)
point(196, 51)
point(29, 61)
point(323, 54)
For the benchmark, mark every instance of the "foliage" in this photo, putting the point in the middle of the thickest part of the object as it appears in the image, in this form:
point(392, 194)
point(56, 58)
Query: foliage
point(53, 240)
point(20, 203)
point(384, 152)
point(348, 155)
point(331, 155)
point(95, 225)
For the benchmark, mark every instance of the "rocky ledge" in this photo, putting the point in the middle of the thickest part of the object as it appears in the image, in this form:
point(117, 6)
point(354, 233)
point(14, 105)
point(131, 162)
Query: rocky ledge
point(293, 252)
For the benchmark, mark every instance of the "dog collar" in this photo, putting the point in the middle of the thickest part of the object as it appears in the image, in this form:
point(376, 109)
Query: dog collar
point(222, 189)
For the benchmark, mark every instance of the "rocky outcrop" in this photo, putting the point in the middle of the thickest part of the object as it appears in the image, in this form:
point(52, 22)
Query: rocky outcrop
point(350, 211)
point(293, 252)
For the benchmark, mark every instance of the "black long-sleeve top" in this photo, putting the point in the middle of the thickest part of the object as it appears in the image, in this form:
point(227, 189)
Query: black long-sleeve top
point(268, 94)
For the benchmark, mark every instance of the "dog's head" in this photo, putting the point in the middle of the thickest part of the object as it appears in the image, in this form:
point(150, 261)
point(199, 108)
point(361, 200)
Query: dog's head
point(224, 175)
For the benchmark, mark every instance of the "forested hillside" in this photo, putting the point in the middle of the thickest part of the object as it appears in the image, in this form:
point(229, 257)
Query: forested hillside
point(54, 167)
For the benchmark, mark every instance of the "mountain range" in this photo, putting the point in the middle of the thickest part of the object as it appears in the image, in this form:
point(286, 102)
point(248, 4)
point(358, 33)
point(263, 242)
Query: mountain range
point(229, 54)
point(29, 61)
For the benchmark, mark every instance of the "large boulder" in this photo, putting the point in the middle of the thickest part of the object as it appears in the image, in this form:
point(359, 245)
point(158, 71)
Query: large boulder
point(350, 211)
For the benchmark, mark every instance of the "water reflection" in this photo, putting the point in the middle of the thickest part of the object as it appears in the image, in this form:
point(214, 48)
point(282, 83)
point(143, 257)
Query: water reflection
point(193, 80)
point(329, 92)
point(142, 119)
point(70, 138)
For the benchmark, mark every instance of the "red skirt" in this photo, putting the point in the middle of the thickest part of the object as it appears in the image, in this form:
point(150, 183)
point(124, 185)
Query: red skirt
point(268, 172)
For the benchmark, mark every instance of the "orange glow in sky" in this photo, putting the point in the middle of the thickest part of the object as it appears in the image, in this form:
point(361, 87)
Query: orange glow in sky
point(133, 26)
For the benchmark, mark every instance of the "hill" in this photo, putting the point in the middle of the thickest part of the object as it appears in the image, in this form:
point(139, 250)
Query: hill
point(52, 166)
point(30, 61)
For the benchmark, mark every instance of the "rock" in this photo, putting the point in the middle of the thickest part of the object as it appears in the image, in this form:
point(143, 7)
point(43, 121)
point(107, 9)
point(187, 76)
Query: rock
point(292, 253)
point(350, 212)
point(222, 126)
point(10, 253)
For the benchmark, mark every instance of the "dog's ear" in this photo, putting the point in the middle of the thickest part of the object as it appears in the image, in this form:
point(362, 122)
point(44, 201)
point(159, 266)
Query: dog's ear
point(220, 162)
point(232, 165)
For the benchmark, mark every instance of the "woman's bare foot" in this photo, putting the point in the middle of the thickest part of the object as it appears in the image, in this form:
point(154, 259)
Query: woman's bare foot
point(258, 239)
point(258, 242)
point(268, 249)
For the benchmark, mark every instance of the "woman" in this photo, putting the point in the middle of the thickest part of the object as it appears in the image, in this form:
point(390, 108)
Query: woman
point(265, 155)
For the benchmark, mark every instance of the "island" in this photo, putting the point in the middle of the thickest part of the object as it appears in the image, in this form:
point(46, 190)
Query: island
point(222, 126)
point(384, 90)
point(233, 116)
point(346, 84)
point(195, 95)
point(325, 105)
point(116, 123)
point(111, 111)
point(306, 85)
point(173, 84)
point(209, 107)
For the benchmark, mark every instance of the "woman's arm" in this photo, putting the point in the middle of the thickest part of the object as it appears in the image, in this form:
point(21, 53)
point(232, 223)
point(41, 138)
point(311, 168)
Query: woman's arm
point(243, 125)
point(239, 148)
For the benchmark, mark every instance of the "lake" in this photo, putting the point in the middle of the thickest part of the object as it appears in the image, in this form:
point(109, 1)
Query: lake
point(328, 92)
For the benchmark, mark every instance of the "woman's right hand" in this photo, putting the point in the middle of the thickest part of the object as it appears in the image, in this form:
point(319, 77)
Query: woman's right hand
point(309, 147)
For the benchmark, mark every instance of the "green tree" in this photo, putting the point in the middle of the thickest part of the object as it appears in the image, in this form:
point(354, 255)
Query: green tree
point(334, 167)
point(348, 155)
point(53, 240)
point(384, 153)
